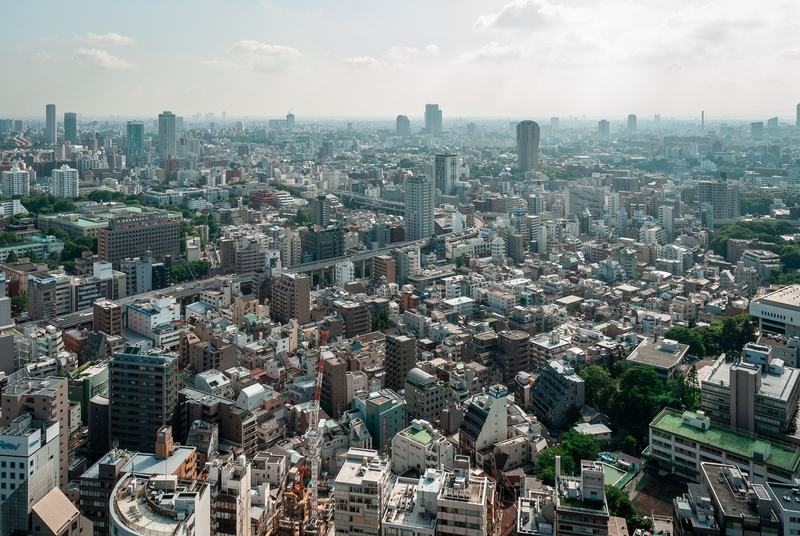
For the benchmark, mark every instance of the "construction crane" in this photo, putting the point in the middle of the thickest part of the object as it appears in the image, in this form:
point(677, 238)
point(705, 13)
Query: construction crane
point(314, 435)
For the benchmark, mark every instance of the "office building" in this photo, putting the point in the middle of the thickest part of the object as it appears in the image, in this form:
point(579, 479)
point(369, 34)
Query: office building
point(527, 145)
point(404, 125)
point(401, 356)
point(603, 129)
point(557, 388)
point(776, 311)
point(413, 517)
point(757, 130)
point(485, 423)
point(757, 394)
point(383, 266)
point(357, 319)
point(44, 400)
point(665, 357)
point(320, 211)
point(134, 233)
point(176, 509)
point(785, 505)
point(739, 504)
point(55, 515)
point(50, 127)
point(16, 181)
point(65, 182)
point(384, 414)
point(679, 442)
point(426, 395)
point(289, 120)
point(107, 317)
point(49, 295)
point(466, 503)
point(142, 396)
point(433, 119)
point(513, 353)
point(445, 172)
point(722, 196)
point(362, 493)
point(135, 138)
point(334, 384)
point(581, 506)
point(291, 298)
point(249, 257)
point(71, 128)
point(419, 196)
point(30, 458)
point(631, 124)
point(166, 136)
point(421, 446)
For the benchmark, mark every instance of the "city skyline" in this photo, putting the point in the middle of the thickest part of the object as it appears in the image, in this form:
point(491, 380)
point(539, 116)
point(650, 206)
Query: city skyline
point(607, 60)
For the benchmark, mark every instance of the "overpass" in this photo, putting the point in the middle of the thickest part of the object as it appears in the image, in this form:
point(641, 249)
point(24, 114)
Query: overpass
point(394, 207)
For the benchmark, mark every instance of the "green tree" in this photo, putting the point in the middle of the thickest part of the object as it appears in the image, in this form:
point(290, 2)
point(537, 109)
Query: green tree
point(303, 217)
point(688, 336)
point(580, 446)
point(12, 257)
point(599, 387)
point(380, 321)
point(639, 399)
point(32, 255)
point(19, 304)
point(546, 464)
point(620, 505)
point(630, 446)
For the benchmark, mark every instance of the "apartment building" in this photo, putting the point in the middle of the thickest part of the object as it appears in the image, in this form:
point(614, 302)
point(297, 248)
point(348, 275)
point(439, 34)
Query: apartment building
point(132, 234)
point(362, 493)
point(557, 388)
point(426, 396)
point(421, 446)
point(291, 299)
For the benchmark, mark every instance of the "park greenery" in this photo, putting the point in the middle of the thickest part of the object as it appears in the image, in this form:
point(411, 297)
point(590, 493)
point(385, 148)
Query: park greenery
point(614, 392)
point(190, 271)
point(727, 335)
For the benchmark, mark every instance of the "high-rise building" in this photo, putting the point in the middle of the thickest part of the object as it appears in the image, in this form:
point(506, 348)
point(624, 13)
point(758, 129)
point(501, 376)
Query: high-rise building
point(433, 119)
point(797, 118)
point(142, 395)
point(50, 130)
point(554, 123)
point(107, 317)
point(291, 298)
point(16, 181)
point(134, 234)
point(290, 121)
point(166, 135)
point(135, 138)
point(603, 129)
point(528, 145)
point(722, 196)
point(65, 182)
point(631, 123)
point(757, 130)
point(71, 128)
point(320, 211)
point(383, 266)
point(419, 195)
point(401, 356)
point(445, 172)
point(44, 400)
point(354, 513)
point(404, 125)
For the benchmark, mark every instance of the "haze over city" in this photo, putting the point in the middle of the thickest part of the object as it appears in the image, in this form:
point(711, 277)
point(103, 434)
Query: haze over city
point(360, 59)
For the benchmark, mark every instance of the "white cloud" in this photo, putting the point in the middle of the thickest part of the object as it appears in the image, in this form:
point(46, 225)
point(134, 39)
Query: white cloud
point(527, 14)
point(100, 58)
point(791, 52)
point(360, 62)
point(495, 52)
point(432, 49)
point(402, 52)
point(43, 56)
point(266, 57)
point(108, 39)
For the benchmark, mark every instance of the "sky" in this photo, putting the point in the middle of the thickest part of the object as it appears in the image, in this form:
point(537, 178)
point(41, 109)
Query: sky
point(377, 58)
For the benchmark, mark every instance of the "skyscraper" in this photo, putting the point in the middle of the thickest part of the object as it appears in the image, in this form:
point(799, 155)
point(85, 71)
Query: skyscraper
point(320, 211)
point(404, 125)
point(603, 129)
point(166, 135)
point(401, 356)
point(65, 182)
point(721, 195)
point(797, 119)
point(433, 119)
point(16, 181)
point(631, 123)
point(50, 125)
point(135, 138)
point(142, 396)
point(71, 128)
point(419, 207)
point(528, 145)
point(445, 171)
point(290, 121)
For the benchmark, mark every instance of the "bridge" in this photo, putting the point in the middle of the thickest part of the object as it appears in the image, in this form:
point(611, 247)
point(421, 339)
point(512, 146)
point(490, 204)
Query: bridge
point(393, 207)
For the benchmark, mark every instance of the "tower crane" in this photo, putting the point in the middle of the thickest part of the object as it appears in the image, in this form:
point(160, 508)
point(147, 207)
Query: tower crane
point(314, 435)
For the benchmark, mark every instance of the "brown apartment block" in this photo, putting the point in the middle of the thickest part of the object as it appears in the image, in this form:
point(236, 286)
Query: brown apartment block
point(384, 265)
point(107, 317)
point(291, 298)
point(132, 234)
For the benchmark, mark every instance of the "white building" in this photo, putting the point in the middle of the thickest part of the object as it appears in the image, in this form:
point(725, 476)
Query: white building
point(343, 273)
point(153, 319)
point(65, 182)
point(414, 517)
point(16, 182)
point(362, 493)
point(29, 454)
point(421, 447)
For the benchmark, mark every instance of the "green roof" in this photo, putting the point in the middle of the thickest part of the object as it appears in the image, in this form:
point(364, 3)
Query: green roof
point(420, 436)
point(781, 456)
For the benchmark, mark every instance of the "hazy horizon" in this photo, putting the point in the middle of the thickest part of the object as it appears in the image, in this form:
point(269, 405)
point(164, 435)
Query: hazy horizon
point(358, 60)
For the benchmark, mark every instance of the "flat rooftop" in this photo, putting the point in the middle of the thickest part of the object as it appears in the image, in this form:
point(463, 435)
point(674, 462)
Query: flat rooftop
point(787, 297)
point(405, 512)
point(788, 496)
point(783, 457)
point(772, 385)
point(732, 502)
point(420, 436)
point(659, 354)
point(148, 463)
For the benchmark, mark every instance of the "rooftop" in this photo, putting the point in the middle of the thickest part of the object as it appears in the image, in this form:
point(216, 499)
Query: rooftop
point(787, 495)
point(781, 456)
point(664, 354)
point(787, 297)
point(778, 387)
point(405, 510)
point(148, 463)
